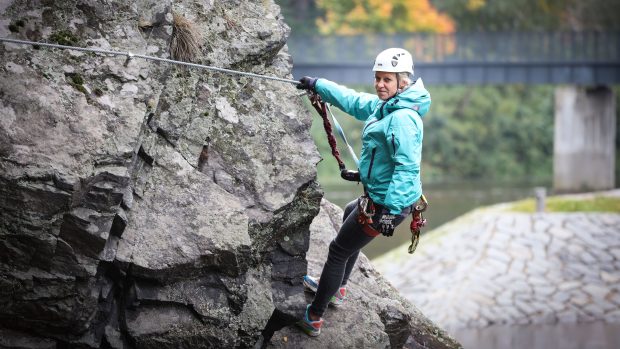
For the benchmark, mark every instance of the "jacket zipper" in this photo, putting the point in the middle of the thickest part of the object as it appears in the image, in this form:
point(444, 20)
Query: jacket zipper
point(370, 123)
point(393, 144)
point(372, 160)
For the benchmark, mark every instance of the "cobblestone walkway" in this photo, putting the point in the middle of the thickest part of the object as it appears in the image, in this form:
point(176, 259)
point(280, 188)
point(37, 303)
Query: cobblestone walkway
point(493, 267)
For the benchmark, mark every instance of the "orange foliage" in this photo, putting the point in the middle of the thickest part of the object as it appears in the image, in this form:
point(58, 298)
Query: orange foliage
point(382, 16)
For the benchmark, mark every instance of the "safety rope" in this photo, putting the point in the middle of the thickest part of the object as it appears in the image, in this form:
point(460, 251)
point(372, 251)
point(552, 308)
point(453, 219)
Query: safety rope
point(130, 55)
point(342, 135)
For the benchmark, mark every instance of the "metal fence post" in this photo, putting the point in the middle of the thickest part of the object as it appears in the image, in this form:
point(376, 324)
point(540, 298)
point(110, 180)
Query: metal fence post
point(540, 193)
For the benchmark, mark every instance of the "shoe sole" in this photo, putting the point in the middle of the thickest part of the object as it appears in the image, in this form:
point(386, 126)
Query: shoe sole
point(306, 327)
point(307, 331)
point(309, 287)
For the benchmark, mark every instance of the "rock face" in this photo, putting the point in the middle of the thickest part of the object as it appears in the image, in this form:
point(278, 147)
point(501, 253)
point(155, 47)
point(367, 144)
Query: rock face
point(142, 203)
point(145, 204)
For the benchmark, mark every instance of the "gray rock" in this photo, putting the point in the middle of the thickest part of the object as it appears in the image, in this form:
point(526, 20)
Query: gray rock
point(107, 198)
point(610, 278)
point(597, 292)
point(15, 339)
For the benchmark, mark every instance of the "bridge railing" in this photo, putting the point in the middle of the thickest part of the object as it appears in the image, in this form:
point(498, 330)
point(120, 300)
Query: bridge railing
point(591, 46)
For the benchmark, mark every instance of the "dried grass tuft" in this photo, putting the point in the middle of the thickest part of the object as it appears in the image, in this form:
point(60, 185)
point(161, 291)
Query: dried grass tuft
point(185, 41)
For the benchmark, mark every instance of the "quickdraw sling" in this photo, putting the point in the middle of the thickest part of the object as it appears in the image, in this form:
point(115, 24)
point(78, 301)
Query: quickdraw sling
point(417, 222)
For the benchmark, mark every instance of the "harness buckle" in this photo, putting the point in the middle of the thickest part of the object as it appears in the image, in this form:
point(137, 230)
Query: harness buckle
point(365, 211)
point(366, 207)
point(421, 204)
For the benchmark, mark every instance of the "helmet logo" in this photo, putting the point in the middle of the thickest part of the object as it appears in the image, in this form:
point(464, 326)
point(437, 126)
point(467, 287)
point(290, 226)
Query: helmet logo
point(394, 61)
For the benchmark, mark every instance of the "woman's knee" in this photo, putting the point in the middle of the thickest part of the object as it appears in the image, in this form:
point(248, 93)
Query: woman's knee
point(337, 253)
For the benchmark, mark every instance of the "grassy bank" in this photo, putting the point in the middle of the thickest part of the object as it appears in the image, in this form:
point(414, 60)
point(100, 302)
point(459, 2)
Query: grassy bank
point(563, 204)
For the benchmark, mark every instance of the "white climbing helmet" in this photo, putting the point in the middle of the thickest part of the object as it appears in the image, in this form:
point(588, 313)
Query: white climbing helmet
point(394, 60)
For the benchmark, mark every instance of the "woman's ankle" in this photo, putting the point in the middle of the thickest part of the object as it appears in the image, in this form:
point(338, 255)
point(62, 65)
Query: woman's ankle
point(313, 316)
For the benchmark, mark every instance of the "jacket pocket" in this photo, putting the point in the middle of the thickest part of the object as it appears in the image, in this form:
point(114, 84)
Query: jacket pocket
point(372, 161)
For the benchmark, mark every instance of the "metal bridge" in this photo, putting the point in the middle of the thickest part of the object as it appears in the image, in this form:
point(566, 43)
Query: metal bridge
point(580, 58)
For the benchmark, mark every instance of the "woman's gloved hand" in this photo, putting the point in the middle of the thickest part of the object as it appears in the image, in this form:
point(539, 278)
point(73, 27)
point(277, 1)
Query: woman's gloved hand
point(307, 83)
point(386, 224)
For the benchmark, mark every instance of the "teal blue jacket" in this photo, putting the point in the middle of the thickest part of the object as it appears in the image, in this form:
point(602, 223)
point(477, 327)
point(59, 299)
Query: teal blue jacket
point(391, 140)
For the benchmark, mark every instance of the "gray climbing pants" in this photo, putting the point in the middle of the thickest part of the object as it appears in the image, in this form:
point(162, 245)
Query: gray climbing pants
point(342, 255)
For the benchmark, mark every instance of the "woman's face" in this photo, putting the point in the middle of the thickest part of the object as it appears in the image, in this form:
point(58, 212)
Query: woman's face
point(385, 84)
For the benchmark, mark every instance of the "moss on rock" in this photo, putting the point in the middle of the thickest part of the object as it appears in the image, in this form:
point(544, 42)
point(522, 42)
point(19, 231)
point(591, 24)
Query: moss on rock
point(64, 37)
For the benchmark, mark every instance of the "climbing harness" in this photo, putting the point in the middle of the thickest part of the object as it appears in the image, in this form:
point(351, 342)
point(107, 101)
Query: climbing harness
point(130, 56)
point(366, 210)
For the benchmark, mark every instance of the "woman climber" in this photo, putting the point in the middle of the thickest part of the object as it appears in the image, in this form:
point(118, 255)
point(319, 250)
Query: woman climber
point(389, 169)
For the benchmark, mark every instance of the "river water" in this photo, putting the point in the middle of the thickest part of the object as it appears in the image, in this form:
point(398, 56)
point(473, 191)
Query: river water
point(593, 335)
point(446, 202)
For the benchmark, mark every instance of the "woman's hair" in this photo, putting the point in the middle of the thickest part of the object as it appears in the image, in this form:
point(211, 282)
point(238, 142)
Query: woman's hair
point(406, 77)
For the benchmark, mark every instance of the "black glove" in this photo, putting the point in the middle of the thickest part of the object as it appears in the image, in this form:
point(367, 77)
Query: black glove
point(386, 224)
point(307, 83)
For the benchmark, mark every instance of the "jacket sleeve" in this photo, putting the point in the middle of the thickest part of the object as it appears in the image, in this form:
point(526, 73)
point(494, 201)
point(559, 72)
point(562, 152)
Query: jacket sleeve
point(358, 104)
point(404, 138)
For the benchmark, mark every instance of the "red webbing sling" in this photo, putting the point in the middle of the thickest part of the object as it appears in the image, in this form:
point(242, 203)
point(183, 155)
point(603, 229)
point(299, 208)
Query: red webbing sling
point(321, 108)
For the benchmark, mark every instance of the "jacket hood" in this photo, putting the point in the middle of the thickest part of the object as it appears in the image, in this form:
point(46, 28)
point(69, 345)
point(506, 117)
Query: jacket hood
point(415, 97)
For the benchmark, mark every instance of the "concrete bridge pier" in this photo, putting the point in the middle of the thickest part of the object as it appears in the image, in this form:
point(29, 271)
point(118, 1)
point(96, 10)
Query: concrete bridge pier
point(584, 140)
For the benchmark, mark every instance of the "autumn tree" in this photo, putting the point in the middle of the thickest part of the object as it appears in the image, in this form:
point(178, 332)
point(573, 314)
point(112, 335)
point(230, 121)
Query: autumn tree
point(350, 17)
point(528, 15)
